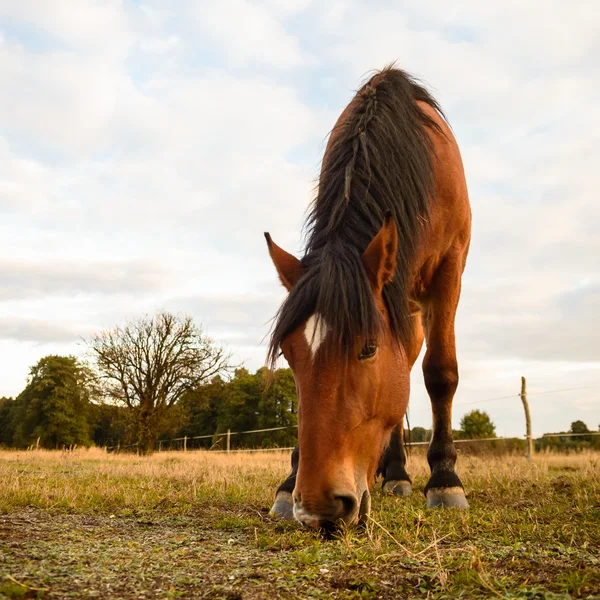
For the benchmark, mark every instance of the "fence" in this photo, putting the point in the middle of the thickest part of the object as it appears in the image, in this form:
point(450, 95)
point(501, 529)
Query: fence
point(221, 436)
point(181, 443)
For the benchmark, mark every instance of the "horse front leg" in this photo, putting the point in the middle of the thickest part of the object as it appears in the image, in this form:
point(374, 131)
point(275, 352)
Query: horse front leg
point(393, 466)
point(283, 508)
point(440, 370)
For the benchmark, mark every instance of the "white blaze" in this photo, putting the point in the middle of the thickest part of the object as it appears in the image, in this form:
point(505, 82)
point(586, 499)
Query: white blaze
point(315, 332)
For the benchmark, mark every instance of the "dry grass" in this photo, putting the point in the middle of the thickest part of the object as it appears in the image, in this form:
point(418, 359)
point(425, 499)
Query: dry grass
point(92, 479)
point(83, 479)
point(87, 523)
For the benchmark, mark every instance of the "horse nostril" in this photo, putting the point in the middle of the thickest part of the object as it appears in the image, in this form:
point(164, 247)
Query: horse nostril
point(338, 509)
point(348, 503)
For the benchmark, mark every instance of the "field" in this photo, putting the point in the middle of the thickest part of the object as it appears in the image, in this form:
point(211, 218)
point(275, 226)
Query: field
point(195, 525)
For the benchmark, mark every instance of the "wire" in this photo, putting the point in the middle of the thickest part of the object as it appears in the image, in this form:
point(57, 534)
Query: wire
point(487, 400)
point(585, 387)
point(474, 402)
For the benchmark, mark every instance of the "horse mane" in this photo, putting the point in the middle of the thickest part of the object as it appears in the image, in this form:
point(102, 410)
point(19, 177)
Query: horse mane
point(380, 161)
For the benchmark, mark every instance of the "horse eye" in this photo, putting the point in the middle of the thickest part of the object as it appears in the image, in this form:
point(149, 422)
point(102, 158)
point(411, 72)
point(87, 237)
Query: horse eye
point(368, 351)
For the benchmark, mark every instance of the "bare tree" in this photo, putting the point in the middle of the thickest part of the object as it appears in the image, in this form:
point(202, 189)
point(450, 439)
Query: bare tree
point(150, 363)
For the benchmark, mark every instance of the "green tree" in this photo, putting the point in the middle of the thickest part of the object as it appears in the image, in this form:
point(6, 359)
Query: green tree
point(580, 427)
point(7, 427)
point(111, 426)
point(278, 407)
point(201, 411)
point(55, 405)
point(241, 409)
point(248, 401)
point(477, 424)
point(420, 434)
point(262, 400)
point(150, 364)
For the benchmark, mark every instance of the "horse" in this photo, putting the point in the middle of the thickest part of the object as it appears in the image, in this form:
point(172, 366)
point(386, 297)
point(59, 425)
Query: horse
point(387, 238)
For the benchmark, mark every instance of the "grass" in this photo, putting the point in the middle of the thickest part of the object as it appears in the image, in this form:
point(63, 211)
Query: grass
point(89, 524)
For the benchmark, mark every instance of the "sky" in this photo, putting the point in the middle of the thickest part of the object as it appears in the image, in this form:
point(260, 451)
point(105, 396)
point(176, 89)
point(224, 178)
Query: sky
point(146, 146)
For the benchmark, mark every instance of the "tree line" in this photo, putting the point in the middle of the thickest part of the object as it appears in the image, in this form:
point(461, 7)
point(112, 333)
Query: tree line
point(62, 407)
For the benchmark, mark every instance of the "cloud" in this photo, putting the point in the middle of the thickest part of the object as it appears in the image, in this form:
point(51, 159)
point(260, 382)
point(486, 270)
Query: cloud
point(246, 32)
point(79, 25)
point(24, 182)
point(239, 320)
point(513, 321)
point(58, 100)
point(37, 330)
point(26, 279)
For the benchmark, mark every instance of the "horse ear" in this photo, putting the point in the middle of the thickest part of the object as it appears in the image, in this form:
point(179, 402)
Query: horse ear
point(380, 256)
point(289, 268)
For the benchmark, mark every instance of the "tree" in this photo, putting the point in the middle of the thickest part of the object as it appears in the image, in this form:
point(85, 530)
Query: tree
point(419, 434)
point(279, 402)
point(7, 427)
point(580, 427)
point(241, 409)
point(262, 400)
point(278, 407)
point(477, 424)
point(55, 405)
point(110, 424)
point(149, 364)
point(201, 409)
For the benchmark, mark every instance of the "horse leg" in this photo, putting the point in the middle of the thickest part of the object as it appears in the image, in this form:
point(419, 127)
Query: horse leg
point(395, 478)
point(440, 370)
point(283, 508)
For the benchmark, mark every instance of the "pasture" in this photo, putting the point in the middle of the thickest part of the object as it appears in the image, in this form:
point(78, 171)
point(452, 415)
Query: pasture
point(196, 525)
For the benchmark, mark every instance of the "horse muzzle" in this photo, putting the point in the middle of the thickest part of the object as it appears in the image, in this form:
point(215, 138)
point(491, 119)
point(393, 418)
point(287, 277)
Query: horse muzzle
point(343, 508)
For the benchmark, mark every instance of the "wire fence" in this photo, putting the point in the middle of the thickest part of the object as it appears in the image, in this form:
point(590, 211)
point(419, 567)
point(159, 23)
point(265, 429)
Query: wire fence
point(223, 436)
point(517, 395)
point(181, 443)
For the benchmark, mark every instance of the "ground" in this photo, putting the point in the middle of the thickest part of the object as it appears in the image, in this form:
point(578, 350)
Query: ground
point(87, 524)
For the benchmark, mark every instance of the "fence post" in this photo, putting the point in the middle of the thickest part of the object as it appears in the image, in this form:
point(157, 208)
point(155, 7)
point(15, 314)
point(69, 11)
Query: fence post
point(529, 448)
point(228, 440)
point(185, 443)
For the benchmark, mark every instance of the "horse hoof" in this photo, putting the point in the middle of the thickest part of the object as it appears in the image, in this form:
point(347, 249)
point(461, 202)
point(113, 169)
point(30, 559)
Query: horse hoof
point(283, 507)
point(452, 497)
point(398, 488)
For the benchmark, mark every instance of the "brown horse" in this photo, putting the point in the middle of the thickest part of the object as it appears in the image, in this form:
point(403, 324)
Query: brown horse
point(387, 241)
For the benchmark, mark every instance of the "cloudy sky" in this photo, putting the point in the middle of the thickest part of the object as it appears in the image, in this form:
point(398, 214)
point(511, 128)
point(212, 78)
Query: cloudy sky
point(146, 145)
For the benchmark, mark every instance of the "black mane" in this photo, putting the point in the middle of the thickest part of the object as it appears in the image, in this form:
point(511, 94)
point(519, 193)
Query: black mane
point(381, 161)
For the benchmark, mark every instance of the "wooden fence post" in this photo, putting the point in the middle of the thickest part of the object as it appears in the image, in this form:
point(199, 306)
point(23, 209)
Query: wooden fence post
point(529, 440)
point(185, 443)
point(228, 440)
